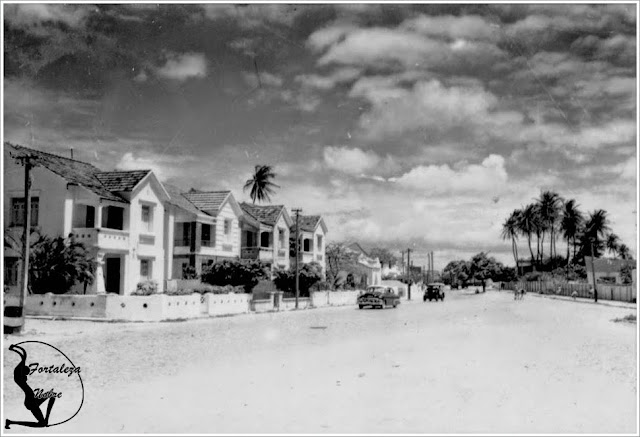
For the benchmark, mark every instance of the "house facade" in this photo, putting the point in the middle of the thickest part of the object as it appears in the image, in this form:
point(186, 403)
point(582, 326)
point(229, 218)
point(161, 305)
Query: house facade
point(608, 270)
point(205, 227)
point(265, 234)
point(118, 216)
point(371, 265)
point(312, 242)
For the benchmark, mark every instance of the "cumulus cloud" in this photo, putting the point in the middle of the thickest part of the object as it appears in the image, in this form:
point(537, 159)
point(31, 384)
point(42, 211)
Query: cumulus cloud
point(164, 166)
point(350, 160)
point(490, 176)
point(339, 76)
point(452, 27)
point(183, 66)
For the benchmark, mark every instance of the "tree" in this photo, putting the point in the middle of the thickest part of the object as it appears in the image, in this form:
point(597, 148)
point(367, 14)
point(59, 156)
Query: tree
point(612, 243)
point(456, 272)
point(510, 231)
point(261, 184)
point(527, 224)
point(384, 255)
point(623, 251)
point(570, 225)
point(483, 267)
point(340, 261)
point(549, 205)
point(309, 275)
point(595, 231)
point(57, 264)
point(246, 273)
point(625, 274)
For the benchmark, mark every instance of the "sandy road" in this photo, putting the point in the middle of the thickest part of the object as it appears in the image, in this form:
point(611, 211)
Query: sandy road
point(473, 363)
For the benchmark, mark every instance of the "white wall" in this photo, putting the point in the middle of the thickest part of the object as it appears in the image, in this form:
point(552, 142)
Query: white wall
point(281, 261)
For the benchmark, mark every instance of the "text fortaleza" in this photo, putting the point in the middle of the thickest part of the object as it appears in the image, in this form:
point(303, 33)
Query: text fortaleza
point(35, 367)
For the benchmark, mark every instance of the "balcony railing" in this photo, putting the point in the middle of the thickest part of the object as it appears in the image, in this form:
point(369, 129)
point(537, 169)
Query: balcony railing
point(182, 242)
point(256, 252)
point(102, 238)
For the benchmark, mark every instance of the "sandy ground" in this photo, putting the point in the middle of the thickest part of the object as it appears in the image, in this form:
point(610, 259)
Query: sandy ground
point(471, 364)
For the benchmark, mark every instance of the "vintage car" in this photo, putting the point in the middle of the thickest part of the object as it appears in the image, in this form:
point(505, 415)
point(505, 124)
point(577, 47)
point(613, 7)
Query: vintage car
point(379, 296)
point(435, 290)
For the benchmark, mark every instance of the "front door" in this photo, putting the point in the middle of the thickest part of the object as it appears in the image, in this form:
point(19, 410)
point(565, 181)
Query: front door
point(112, 282)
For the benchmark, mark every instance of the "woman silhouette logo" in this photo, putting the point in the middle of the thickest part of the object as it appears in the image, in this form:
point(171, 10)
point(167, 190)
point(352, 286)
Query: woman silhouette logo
point(51, 370)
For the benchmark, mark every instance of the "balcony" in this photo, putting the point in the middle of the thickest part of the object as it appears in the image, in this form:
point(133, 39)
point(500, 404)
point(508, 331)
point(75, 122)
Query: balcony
point(182, 242)
point(102, 238)
point(261, 253)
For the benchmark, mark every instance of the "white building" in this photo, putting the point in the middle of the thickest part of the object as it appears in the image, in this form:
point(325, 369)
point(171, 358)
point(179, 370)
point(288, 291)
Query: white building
point(370, 264)
point(118, 215)
point(265, 234)
point(313, 233)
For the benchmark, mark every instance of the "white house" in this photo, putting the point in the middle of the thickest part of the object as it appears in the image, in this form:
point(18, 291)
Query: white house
point(370, 264)
point(118, 215)
point(265, 234)
point(313, 233)
point(205, 228)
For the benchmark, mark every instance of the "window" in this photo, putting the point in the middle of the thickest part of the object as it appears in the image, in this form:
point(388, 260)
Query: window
point(145, 268)
point(147, 218)
point(17, 211)
point(206, 235)
point(11, 271)
point(281, 244)
point(227, 227)
point(113, 217)
point(250, 242)
point(306, 245)
point(319, 238)
point(264, 239)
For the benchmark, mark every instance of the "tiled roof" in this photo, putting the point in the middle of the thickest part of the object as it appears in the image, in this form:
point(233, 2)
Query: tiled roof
point(606, 265)
point(178, 199)
point(210, 201)
point(307, 223)
point(121, 180)
point(73, 171)
point(267, 214)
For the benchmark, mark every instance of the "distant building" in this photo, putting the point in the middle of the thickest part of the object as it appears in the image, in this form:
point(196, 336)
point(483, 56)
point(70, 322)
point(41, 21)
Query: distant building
point(313, 239)
point(370, 264)
point(265, 234)
point(608, 270)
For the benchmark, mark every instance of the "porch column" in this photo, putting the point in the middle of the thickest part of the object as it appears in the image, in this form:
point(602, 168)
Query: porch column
point(100, 284)
point(98, 222)
point(169, 242)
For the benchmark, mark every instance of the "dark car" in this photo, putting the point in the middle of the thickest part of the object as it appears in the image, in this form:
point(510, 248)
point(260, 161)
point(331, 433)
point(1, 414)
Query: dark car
point(379, 296)
point(434, 291)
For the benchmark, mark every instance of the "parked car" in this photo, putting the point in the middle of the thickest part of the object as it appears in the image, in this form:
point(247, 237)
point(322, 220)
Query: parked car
point(435, 290)
point(379, 296)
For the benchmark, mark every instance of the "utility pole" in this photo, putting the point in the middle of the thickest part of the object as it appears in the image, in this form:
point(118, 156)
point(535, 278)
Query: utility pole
point(18, 312)
point(593, 273)
point(297, 211)
point(409, 268)
point(402, 253)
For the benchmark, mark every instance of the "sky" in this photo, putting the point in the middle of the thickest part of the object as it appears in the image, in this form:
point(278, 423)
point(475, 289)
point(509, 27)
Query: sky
point(404, 126)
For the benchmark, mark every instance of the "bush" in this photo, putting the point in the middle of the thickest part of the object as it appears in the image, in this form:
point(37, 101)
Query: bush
point(146, 288)
point(235, 273)
point(189, 272)
point(179, 292)
point(309, 275)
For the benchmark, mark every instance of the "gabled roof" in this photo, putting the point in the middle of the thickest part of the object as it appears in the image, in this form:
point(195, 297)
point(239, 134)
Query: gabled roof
point(210, 201)
point(309, 223)
point(121, 180)
point(75, 172)
point(176, 198)
point(354, 246)
point(267, 214)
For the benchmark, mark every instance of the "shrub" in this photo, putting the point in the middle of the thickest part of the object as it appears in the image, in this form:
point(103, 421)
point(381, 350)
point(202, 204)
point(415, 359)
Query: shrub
point(146, 288)
point(179, 292)
point(309, 274)
point(235, 273)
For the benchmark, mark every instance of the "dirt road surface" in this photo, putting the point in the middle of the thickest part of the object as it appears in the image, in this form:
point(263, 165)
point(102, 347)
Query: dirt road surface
point(475, 363)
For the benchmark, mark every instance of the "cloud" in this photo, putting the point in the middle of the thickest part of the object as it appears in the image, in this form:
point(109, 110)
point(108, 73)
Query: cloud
point(252, 16)
point(339, 76)
point(324, 38)
point(35, 17)
point(452, 27)
point(183, 66)
point(488, 177)
point(164, 166)
point(350, 160)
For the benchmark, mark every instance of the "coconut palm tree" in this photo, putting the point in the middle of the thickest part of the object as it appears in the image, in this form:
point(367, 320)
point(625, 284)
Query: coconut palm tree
point(261, 184)
point(527, 224)
point(612, 243)
point(623, 251)
point(570, 225)
point(595, 231)
point(550, 208)
point(510, 231)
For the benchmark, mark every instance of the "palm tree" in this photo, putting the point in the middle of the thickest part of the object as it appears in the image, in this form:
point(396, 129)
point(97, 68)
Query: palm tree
point(595, 231)
point(260, 184)
point(570, 224)
point(612, 243)
point(510, 230)
point(623, 251)
point(549, 205)
point(526, 224)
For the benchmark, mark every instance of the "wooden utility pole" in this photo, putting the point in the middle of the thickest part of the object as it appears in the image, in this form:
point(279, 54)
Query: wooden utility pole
point(409, 268)
point(14, 316)
point(593, 273)
point(297, 211)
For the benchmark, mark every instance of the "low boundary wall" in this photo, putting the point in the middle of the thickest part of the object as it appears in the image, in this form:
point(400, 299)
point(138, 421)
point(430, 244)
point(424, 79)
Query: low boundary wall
point(159, 307)
point(621, 293)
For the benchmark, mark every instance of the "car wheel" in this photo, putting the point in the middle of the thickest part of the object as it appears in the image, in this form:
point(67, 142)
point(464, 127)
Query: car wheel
point(360, 306)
